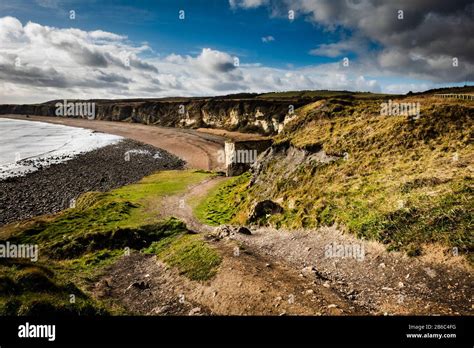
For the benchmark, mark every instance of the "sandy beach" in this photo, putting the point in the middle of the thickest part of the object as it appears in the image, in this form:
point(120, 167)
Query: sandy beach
point(55, 183)
point(198, 149)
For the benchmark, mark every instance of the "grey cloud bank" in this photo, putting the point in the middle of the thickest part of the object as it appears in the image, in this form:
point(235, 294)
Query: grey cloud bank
point(75, 63)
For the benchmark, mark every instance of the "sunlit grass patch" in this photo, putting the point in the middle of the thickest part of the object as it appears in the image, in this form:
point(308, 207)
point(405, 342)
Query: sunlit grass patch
point(222, 203)
point(190, 254)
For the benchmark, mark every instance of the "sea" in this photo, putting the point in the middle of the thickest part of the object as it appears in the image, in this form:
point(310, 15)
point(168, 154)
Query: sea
point(27, 145)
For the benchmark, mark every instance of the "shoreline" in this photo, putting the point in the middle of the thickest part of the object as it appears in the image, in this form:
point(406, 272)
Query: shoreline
point(198, 149)
point(28, 146)
point(54, 188)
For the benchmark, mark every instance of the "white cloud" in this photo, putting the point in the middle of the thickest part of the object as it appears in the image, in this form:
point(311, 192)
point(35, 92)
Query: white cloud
point(103, 35)
point(247, 3)
point(72, 63)
point(421, 45)
point(268, 38)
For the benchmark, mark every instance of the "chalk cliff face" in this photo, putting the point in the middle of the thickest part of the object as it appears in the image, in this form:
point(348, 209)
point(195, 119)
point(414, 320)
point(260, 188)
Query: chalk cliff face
point(243, 114)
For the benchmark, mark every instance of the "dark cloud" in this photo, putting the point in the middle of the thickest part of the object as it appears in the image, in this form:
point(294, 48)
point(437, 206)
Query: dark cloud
point(112, 78)
point(422, 44)
point(32, 76)
point(82, 54)
point(139, 64)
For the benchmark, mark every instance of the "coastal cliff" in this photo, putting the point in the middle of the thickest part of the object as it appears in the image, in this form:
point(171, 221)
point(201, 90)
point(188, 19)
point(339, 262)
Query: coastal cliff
point(249, 114)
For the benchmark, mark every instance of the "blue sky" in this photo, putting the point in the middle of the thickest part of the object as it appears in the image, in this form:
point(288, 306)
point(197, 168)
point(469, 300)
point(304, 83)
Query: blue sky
point(188, 57)
point(208, 23)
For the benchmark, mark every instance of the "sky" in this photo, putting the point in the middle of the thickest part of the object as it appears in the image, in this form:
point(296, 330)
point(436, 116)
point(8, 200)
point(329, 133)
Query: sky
point(71, 49)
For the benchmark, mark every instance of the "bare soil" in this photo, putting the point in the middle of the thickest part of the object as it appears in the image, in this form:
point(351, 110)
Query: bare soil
point(382, 282)
point(247, 282)
point(277, 272)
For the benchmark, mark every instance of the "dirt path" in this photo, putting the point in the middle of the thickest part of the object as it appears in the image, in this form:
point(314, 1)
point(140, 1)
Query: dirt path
point(274, 272)
point(380, 281)
point(179, 205)
point(278, 272)
point(247, 282)
point(198, 149)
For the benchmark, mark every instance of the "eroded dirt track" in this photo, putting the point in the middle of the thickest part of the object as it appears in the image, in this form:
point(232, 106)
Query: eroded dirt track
point(247, 282)
point(277, 272)
point(273, 272)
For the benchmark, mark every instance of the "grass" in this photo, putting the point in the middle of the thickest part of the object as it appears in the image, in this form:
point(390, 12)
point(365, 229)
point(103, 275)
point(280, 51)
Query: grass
point(36, 289)
point(190, 254)
point(319, 94)
point(402, 182)
point(76, 244)
point(123, 217)
point(222, 202)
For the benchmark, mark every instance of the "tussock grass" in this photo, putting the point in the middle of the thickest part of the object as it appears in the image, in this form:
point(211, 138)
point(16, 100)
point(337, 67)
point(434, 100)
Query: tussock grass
point(403, 182)
point(222, 202)
point(77, 243)
point(36, 289)
point(190, 254)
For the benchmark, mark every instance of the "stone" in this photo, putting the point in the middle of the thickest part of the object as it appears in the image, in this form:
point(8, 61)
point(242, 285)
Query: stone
point(195, 311)
point(244, 230)
point(264, 208)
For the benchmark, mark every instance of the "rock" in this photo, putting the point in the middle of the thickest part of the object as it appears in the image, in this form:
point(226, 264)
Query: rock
point(138, 285)
point(319, 274)
point(160, 310)
point(263, 209)
point(227, 231)
point(382, 265)
point(431, 273)
point(103, 288)
point(307, 271)
point(220, 232)
point(326, 284)
point(309, 292)
point(244, 230)
point(332, 306)
point(195, 311)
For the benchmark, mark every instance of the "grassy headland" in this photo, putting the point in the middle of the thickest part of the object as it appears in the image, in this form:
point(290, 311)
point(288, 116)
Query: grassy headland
point(400, 180)
point(77, 243)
